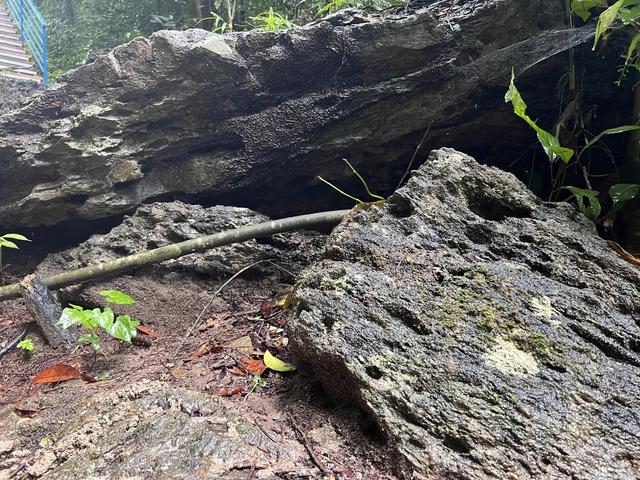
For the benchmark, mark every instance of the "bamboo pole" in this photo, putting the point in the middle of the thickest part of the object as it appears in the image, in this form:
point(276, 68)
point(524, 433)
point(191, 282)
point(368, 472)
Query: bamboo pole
point(176, 250)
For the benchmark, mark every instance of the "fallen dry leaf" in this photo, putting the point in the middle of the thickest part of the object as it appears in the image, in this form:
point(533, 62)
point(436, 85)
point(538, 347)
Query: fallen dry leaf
point(623, 253)
point(243, 345)
point(178, 372)
point(147, 331)
point(60, 373)
point(230, 391)
point(202, 349)
point(256, 367)
point(266, 309)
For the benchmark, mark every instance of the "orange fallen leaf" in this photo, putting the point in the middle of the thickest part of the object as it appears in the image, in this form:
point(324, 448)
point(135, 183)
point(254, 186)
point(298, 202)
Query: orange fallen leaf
point(147, 331)
point(230, 391)
point(623, 253)
point(202, 349)
point(256, 367)
point(60, 373)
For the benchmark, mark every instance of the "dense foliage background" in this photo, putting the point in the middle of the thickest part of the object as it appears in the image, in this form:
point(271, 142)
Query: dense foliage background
point(80, 29)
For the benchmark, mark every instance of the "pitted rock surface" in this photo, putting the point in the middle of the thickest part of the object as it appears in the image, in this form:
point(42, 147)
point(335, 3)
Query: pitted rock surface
point(489, 334)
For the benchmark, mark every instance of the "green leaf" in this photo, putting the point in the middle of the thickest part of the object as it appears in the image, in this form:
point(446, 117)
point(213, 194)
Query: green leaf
point(89, 339)
point(549, 142)
point(606, 19)
point(26, 345)
point(8, 244)
point(72, 316)
point(621, 193)
point(587, 201)
point(105, 319)
point(582, 7)
point(117, 297)
point(16, 236)
point(612, 131)
point(633, 45)
point(124, 328)
point(551, 146)
point(629, 11)
point(276, 364)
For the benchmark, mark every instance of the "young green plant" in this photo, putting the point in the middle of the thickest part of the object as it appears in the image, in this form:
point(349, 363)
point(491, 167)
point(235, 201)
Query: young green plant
point(95, 321)
point(26, 345)
point(586, 198)
point(271, 21)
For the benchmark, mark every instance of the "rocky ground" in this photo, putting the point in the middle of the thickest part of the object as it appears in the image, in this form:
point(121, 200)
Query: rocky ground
point(162, 409)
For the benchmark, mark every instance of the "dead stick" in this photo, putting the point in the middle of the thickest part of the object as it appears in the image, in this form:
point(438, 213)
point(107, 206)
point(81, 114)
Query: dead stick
point(14, 342)
point(302, 438)
point(176, 250)
point(46, 311)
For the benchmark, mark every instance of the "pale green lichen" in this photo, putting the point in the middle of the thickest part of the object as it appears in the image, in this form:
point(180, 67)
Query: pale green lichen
point(380, 360)
point(542, 307)
point(509, 359)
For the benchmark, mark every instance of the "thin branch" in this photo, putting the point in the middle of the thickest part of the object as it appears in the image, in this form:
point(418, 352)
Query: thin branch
point(327, 182)
point(14, 342)
point(177, 250)
point(362, 180)
point(213, 297)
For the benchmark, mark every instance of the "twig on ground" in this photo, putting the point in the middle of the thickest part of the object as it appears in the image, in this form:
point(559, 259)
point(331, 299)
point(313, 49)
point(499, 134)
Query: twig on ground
point(263, 430)
point(303, 439)
point(217, 292)
point(15, 341)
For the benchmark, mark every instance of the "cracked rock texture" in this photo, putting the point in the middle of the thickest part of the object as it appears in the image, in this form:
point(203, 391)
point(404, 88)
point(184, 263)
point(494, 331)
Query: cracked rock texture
point(489, 334)
point(250, 119)
point(148, 429)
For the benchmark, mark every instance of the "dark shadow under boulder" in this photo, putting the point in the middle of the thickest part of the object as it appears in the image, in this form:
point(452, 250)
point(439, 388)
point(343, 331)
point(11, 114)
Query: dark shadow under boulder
point(489, 334)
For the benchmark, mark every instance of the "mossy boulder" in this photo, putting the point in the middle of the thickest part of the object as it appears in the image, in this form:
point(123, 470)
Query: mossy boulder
point(488, 333)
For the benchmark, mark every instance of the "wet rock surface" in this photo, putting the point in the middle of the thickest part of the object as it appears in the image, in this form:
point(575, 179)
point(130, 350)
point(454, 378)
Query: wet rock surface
point(250, 119)
point(164, 223)
point(489, 334)
point(14, 92)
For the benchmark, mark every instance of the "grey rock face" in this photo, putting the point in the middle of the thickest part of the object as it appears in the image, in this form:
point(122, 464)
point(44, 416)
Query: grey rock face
point(489, 334)
point(148, 429)
point(253, 117)
point(159, 224)
point(13, 92)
